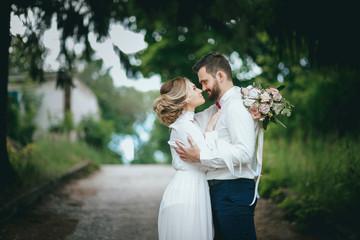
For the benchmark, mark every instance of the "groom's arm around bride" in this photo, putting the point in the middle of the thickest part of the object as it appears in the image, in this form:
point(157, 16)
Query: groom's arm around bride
point(233, 156)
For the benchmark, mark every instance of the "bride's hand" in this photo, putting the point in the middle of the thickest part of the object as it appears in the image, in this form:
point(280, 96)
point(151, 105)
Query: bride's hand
point(212, 123)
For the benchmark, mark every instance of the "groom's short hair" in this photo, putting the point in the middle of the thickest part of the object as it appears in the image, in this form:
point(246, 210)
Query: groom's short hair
point(214, 62)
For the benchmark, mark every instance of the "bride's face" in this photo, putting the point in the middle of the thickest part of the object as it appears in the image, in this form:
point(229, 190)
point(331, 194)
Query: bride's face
point(194, 96)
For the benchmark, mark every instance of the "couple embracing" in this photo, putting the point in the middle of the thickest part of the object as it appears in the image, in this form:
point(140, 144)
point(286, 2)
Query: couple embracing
point(213, 193)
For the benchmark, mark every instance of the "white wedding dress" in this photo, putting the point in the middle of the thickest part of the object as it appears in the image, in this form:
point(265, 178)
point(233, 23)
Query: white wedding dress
point(185, 209)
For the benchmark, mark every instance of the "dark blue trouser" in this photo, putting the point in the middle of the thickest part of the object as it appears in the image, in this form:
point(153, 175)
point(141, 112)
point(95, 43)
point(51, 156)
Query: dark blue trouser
point(233, 217)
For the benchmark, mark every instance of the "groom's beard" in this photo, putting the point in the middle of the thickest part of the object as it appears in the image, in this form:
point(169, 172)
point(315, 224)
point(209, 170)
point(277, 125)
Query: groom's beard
point(214, 92)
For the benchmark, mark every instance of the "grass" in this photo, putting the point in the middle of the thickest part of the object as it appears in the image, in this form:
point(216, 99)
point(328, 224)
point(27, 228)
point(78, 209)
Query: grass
point(47, 159)
point(316, 182)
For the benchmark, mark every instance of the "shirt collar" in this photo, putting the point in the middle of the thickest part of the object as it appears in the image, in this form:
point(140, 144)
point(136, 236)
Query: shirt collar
point(227, 95)
point(185, 116)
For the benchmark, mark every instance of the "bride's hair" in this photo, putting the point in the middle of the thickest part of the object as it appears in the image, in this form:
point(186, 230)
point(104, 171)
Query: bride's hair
point(169, 106)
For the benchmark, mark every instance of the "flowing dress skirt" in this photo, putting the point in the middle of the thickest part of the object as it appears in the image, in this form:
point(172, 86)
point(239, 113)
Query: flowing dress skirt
point(185, 209)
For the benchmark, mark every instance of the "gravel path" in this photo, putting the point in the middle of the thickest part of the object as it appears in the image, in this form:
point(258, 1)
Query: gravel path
point(118, 202)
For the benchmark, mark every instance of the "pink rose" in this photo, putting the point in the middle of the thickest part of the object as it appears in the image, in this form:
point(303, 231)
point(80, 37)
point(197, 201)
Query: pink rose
point(253, 108)
point(277, 97)
point(254, 112)
point(274, 91)
point(264, 108)
point(255, 115)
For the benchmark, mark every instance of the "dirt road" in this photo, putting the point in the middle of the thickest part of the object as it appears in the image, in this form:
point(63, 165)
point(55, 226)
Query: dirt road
point(118, 203)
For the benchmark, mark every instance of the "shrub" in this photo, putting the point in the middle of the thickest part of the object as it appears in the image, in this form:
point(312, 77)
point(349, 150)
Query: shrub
point(319, 177)
point(96, 133)
point(20, 118)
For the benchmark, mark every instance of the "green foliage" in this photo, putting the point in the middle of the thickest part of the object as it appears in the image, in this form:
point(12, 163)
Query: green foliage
point(27, 55)
point(289, 206)
point(21, 115)
point(75, 20)
point(324, 102)
point(317, 169)
point(68, 123)
point(193, 28)
point(40, 161)
point(319, 178)
point(97, 133)
point(180, 32)
point(124, 106)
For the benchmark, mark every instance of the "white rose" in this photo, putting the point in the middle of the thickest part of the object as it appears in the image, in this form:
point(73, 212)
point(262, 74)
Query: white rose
point(254, 93)
point(278, 107)
point(265, 97)
point(248, 102)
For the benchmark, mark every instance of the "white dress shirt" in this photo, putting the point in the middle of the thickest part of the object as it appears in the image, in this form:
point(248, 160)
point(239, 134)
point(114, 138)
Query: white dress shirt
point(232, 153)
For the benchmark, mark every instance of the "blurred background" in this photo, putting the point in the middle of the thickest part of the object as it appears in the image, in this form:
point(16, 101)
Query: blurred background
point(81, 76)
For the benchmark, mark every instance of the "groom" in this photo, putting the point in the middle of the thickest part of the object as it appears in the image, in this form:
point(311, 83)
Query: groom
point(233, 161)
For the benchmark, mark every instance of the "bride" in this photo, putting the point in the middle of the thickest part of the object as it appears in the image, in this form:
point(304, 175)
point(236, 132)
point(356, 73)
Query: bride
point(185, 210)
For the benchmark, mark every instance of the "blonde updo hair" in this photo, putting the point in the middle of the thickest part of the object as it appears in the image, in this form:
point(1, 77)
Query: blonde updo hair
point(169, 106)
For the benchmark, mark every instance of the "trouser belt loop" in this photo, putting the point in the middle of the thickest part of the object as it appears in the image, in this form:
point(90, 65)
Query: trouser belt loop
point(213, 182)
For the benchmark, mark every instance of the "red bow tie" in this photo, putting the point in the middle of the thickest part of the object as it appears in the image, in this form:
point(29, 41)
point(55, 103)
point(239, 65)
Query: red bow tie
point(218, 104)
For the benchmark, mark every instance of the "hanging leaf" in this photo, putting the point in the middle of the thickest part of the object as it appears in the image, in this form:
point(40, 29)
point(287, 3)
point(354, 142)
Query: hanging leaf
point(265, 123)
point(281, 87)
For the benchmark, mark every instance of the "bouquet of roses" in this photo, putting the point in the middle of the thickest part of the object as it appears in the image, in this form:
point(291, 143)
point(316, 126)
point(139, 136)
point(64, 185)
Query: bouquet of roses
point(265, 104)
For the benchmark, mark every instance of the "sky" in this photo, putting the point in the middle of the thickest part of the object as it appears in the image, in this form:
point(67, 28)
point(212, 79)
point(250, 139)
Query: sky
point(126, 40)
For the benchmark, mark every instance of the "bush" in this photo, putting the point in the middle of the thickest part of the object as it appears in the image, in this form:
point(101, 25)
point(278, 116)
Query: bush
point(319, 177)
point(20, 116)
point(290, 206)
point(46, 159)
point(96, 133)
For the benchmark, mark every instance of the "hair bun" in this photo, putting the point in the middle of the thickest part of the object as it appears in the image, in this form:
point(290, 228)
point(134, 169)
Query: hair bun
point(169, 105)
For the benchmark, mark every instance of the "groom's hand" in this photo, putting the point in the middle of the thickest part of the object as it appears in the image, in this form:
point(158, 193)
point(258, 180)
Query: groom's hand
point(188, 154)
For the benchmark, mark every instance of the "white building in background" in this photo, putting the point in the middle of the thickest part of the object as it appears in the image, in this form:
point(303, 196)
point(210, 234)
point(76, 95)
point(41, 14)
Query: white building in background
point(83, 103)
point(51, 111)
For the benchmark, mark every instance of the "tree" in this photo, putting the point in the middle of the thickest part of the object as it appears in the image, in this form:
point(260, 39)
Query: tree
point(7, 174)
point(322, 31)
point(75, 19)
point(180, 32)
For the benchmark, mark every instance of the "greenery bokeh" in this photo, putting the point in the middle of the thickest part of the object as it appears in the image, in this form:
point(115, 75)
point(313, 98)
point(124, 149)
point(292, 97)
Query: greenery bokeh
point(311, 167)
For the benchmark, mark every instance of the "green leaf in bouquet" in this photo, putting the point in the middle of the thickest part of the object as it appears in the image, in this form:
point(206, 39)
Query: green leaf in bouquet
point(281, 87)
point(265, 123)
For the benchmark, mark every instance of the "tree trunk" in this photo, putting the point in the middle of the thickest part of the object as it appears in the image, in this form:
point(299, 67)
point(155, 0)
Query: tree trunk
point(7, 173)
point(68, 120)
point(67, 98)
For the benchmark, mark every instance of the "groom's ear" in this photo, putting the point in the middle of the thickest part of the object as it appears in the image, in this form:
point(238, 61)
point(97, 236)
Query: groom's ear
point(220, 76)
